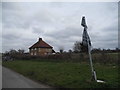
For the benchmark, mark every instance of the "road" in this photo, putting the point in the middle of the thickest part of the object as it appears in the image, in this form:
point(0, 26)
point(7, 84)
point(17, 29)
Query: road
point(11, 79)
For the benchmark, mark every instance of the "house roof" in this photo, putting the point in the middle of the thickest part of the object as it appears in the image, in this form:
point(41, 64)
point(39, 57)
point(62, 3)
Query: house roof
point(40, 44)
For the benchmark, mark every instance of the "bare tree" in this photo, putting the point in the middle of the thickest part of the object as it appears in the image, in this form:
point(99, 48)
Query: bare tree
point(61, 49)
point(12, 51)
point(77, 46)
point(21, 51)
point(70, 51)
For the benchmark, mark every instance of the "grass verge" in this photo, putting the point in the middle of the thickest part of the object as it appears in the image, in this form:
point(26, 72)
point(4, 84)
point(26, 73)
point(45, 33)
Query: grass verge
point(66, 74)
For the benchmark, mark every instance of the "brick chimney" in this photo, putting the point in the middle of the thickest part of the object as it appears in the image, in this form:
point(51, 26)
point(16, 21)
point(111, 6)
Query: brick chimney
point(40, 39)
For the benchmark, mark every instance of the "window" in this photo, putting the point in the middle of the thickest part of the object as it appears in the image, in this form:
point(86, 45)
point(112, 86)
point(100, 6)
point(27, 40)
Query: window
point(31, 53)
point(35, 53)
point(49, 50)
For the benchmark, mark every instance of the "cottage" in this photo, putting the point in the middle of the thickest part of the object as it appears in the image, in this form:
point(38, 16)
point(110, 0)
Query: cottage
point(41, 48)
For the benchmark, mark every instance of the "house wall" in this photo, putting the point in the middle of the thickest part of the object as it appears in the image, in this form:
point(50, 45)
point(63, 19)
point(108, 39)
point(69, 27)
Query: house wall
point(40, 51)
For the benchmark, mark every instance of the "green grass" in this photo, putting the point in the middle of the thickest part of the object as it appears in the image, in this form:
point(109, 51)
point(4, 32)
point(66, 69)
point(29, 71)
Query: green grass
point(66, 74)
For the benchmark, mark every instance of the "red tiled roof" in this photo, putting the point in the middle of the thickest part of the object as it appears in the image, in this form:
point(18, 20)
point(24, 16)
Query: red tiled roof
point(40, 44)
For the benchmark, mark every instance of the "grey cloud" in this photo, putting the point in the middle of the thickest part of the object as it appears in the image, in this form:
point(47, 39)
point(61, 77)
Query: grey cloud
point(10, 36)
point(66, 33)
point(14, 19)
point(8, 5)
point(22, 19)
point(108, 44)
point(37, 30)
point(23, 23)
point(17, 43)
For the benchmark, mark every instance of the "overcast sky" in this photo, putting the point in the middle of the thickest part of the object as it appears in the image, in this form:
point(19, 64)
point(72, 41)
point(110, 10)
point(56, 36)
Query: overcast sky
point(58, 24)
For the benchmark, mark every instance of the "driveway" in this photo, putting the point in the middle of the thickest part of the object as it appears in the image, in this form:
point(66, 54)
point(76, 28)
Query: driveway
point(11, 79)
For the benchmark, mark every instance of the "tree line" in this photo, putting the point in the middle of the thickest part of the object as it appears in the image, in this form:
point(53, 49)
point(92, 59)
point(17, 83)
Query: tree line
point(79, 48)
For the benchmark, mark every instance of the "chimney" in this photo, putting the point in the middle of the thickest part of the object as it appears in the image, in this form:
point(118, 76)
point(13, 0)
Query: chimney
point(40, 39)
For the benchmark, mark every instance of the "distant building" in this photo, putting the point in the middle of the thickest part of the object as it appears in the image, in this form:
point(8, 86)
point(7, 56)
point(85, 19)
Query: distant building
point(41, 48)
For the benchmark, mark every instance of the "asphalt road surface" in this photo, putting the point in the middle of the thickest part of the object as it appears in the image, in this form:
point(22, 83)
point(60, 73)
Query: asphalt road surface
point(11, 79)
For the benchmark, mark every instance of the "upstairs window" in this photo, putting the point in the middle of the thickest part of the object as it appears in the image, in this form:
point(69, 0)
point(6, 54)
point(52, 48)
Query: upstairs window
point(35, 48)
